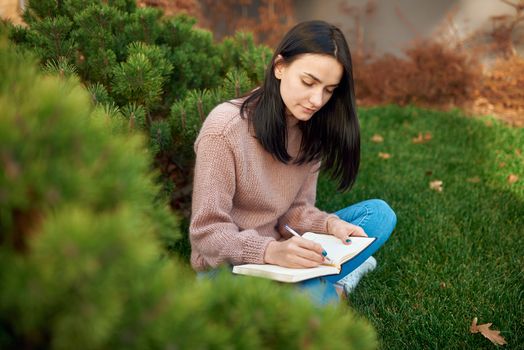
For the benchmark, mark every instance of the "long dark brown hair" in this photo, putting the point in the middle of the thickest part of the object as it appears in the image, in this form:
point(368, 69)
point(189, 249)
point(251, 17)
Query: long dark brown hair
point(332, 135)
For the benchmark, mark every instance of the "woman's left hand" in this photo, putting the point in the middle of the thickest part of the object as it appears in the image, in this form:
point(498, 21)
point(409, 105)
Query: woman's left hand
point(344, 230)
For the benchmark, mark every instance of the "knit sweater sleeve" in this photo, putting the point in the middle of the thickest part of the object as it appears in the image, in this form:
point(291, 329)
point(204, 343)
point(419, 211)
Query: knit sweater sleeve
point(213, 234)
point(303, 215)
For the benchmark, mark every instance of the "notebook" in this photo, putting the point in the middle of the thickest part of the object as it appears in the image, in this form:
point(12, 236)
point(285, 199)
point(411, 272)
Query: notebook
point(338, 252)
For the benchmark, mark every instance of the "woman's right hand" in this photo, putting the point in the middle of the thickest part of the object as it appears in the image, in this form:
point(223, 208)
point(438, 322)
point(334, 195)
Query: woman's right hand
point(296, 252)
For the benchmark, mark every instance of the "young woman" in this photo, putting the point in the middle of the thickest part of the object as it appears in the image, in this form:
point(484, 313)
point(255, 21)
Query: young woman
point(258, 160)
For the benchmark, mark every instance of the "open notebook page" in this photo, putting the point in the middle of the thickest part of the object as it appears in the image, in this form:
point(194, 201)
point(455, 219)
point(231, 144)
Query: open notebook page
point(336, 250)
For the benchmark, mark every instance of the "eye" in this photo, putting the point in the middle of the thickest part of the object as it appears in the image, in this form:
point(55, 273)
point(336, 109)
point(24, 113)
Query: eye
point(330, 91)
point(307, 83)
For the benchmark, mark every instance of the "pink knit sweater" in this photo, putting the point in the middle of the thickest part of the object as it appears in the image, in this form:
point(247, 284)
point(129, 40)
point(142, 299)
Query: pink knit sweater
point(242, 196)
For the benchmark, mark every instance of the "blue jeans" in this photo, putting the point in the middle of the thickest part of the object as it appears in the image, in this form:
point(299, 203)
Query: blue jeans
point(378, 220)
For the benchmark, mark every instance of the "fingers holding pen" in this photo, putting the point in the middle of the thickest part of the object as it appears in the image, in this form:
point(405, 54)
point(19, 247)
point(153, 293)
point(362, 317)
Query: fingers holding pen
point(309, 253)
point(311, 250)
point(295, 252)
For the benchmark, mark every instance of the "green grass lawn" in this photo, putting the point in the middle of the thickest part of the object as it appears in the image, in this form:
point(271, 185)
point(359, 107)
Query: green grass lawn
point(455, 254)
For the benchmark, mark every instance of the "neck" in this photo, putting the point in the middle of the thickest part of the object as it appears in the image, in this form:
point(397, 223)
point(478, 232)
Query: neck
point(291, 121)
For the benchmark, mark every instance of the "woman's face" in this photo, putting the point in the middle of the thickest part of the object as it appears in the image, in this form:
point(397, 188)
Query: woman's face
point(307, 84)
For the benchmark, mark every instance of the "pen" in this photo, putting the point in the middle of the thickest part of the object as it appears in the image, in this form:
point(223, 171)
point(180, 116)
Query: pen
point(294, 233)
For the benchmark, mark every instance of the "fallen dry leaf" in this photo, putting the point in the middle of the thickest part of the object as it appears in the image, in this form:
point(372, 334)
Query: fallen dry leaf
point(512, 178)
point(377, 138)
point(474, 328)
point(518, 152)
point(493, 335)
point(474, 179)
point(384, 155)
point(436, 185)
point(418, 139)
point(422, 138)
point(502, 165)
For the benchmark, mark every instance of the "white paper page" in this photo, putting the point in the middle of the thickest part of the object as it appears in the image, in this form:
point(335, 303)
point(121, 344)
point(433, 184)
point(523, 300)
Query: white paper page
point(334, 247)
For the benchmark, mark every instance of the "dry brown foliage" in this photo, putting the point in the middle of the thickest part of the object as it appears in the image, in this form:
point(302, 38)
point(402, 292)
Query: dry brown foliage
point(448, 71)
point(431, 74)
point(272, 18)
point(502, 84)
point(502, 91)
point(506, 32)
point(267, 22)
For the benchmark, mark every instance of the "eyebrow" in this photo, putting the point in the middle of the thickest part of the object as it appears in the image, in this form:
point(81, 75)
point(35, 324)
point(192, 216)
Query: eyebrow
point(316, 79)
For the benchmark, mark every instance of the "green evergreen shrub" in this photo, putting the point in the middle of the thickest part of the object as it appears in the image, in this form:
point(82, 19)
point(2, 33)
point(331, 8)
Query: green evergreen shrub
point(187, 116)
point(236, 84)
point(144, 25)
point(136, 115)
point(98, 32)
point(240, 52)
point(140, 78)
point(80, 265)
point(144, 67)
point(61, 68)
point(194, 56)
point(99, 94)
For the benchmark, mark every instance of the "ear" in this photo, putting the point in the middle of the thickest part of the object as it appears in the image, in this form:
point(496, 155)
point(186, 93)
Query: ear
point(278, 67)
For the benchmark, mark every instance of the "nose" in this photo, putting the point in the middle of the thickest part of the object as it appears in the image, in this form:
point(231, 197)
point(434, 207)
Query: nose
point(316, 98)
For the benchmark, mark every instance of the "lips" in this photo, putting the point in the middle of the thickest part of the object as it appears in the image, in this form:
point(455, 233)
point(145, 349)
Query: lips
point(309, 110)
